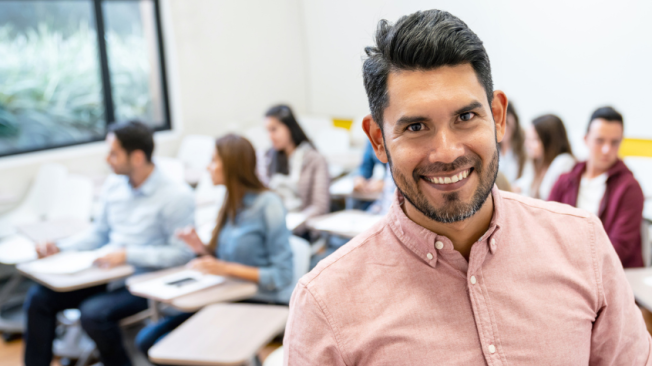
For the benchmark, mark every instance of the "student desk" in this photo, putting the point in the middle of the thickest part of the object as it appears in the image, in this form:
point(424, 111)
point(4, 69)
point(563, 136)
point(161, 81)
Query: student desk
point(83, 279)
point(228, 291)
point(642, 291)
point(348, 223)
point(343, 188)
point(221, 334)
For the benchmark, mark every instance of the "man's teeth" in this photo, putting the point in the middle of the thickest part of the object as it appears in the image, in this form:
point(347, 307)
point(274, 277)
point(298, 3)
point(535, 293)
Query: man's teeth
point(448, 180)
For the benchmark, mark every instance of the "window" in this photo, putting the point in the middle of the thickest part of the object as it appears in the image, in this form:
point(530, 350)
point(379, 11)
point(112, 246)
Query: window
point(70, 68)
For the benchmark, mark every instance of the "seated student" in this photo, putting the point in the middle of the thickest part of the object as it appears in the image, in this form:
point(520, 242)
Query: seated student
point(140, 210)
point(293, 167)
point(250, 240)
point(512, 150)
point(605, 187)
point(550, 156)
point(364, 182)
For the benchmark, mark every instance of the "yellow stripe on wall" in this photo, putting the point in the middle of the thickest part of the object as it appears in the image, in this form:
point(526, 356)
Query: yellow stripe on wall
point(635, 147)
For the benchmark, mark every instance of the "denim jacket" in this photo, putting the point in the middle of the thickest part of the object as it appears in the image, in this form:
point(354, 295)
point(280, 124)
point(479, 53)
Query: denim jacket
point(259, 237)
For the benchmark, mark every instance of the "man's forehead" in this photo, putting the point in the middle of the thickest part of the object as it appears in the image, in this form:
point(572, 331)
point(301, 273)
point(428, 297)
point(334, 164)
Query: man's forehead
point(444, 89)
point(603, 127)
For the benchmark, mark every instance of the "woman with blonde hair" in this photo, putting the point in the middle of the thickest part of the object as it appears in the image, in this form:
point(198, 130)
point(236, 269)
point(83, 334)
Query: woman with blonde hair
point(250, 240)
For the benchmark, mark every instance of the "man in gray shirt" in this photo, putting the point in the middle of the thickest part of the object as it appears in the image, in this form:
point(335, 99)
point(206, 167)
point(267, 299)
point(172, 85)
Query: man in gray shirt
point(140, 210)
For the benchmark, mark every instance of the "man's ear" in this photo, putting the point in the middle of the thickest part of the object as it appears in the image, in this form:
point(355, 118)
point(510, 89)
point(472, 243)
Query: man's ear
point(499, 111)
point(375, 135)
point(137, 158)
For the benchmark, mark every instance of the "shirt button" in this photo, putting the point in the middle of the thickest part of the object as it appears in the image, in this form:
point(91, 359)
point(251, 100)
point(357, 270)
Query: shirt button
point(492, 348)
point(429, 256)
point(473, 280)
point(439, 245)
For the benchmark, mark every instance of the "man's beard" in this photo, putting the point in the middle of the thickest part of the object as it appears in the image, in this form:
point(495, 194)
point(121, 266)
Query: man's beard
point(454, 209)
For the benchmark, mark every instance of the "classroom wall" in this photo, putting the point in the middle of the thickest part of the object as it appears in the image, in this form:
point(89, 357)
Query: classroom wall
point(555, 56)
point(227, 62)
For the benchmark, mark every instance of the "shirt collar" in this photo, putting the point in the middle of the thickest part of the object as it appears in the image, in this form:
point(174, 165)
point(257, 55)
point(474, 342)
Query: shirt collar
point(424, 243)
point(149, 185)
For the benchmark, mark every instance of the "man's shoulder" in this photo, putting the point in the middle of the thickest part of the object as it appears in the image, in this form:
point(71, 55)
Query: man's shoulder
point(542, 209)
point(347, 259)
point(170, 190)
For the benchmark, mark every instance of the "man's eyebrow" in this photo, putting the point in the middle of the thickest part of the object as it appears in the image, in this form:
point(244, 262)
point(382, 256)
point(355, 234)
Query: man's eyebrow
point(468, 108)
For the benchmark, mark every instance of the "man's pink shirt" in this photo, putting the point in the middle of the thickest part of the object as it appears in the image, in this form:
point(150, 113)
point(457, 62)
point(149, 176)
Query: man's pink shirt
point(543, 286)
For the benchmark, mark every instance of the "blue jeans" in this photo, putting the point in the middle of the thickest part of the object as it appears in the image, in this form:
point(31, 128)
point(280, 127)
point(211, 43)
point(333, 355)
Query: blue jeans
point(101, 312)
point(154, 332)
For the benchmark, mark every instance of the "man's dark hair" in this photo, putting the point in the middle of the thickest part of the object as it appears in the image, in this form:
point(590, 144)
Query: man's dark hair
point(424, 40)
point(134, 135)
point(608, 114)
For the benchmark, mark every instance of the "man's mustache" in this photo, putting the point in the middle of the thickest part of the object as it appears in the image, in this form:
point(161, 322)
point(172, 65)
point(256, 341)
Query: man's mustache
point(439, 167)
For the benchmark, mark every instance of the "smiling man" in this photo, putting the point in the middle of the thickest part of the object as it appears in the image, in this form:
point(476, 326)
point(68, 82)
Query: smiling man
point(459, 273)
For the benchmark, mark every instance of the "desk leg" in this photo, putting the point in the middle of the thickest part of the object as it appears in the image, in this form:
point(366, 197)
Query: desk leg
point(8, 326)
point(155, 313)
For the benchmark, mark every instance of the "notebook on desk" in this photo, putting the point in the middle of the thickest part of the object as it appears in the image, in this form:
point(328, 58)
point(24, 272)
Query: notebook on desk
point(175, 285)
point(66, 263)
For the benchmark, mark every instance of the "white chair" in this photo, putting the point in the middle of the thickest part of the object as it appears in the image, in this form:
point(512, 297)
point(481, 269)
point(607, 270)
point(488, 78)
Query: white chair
point(301, 257)
point(332, 141)
point(646, 243)
point(47, 186)
point(642, 169)
point(258, 137)
point(275, 358)
point(196, 151)
point(76, 200)
point(171, 167)
point(312, 125)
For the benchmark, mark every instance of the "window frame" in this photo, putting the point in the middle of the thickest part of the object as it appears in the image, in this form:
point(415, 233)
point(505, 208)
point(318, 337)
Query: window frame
point(105, 77)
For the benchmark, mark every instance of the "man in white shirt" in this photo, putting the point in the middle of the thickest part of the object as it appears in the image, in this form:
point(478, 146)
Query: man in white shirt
point(140, 210)
point(605, 187)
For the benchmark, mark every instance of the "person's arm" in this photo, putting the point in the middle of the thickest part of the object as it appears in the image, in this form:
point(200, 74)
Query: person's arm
point(98, 234)
point(176, 214)
point(619, 335)
point(556, 192)
point(625, 235)
point(309, 339)
point(277, 243)
point(369, 160)
point(320, 195)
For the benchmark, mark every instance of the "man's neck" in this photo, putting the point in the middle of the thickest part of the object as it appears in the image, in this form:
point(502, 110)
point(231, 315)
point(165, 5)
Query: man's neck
point(139, 176)
point(592, 171)
point(462, 233)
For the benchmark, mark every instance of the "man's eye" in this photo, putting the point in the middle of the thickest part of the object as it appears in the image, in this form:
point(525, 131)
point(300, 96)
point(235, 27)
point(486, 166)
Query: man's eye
point(415, 127)
point(467, 116)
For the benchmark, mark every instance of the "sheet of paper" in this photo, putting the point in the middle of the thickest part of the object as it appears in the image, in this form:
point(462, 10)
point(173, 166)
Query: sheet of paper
point(294, 219)
point(65, 263)
point(53, 230)
point(648, 281)
point(16, 249)
point(348, 222)
point(342, 186)
point(175, 285)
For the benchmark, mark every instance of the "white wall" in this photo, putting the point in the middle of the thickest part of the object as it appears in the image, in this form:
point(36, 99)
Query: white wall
point(227, 62)
point(563, 57)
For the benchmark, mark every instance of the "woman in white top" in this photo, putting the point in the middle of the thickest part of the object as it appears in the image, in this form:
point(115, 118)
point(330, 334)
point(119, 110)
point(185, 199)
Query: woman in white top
point(550, 153)
point(293, 168)
point(512, 148)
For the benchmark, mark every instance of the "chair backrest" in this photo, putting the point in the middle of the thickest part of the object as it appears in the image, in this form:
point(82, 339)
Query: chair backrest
point(275, 358)
point(171, 167)
point(76, 200)
point(642, 169)
point(48, 184)
point(301, 258)
point(333, 140)
point(646, 243)
point(196, 151)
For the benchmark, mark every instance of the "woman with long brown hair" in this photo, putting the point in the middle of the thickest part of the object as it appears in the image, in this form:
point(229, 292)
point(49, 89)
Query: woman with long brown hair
point(250, 240)
point(550, 156)
point(512, 148)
